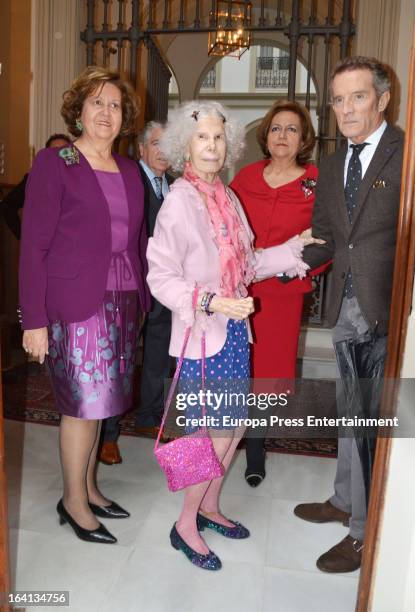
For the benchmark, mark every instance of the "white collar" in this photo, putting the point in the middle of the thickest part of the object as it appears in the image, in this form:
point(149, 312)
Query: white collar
point(374, 138)
point(151, 175)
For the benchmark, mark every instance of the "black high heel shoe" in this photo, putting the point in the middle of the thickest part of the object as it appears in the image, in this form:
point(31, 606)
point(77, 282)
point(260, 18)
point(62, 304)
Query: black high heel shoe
point(112, 511)
point(100, 535)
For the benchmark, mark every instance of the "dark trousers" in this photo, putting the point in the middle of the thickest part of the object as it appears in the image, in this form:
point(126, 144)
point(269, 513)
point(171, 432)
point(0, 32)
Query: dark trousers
point(155, 369)
point(255, 457)
point(111, 428)
point(156, 366)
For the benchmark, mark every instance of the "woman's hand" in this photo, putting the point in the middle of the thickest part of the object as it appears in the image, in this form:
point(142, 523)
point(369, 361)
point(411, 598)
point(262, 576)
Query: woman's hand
point(307, 238)
point(35, 342)
point(233, 308)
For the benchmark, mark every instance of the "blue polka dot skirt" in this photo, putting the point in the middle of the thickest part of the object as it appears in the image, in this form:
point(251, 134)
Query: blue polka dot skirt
point(227, 383)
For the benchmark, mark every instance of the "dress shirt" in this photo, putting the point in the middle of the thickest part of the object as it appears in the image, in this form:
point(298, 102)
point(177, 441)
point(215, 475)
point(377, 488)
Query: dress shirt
point(368, 152)
point(150, 175)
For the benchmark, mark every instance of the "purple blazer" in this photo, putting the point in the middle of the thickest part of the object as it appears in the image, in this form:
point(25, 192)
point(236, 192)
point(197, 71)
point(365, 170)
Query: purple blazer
point(66, 240)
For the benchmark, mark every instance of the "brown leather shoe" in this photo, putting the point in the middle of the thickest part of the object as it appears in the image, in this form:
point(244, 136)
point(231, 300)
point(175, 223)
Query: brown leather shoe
point(321, 513)
point(346, 556)
point(110, 453)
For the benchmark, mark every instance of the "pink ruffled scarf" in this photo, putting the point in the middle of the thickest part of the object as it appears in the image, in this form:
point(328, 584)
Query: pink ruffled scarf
point(235, 252)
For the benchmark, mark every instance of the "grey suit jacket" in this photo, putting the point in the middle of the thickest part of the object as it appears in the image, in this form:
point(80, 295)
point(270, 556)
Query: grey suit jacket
point(367, 245)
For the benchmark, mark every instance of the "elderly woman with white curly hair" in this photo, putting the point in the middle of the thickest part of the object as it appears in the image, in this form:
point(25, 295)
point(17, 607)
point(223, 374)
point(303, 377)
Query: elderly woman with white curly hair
point(202, 239)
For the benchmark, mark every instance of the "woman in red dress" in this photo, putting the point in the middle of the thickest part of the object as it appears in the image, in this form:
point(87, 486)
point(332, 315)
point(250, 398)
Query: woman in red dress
point(278, 196)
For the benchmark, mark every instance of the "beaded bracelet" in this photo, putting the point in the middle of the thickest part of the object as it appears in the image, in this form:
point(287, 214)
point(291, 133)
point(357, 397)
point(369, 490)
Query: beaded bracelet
point(208, 302)
point(205, 302)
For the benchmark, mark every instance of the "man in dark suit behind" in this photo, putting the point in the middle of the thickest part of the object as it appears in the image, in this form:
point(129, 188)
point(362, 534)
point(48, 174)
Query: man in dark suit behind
point(157, 328)
point(356, 212)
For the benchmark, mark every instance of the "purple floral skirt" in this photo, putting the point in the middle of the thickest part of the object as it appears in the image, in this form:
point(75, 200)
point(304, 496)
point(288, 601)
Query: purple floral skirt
point(91, 363)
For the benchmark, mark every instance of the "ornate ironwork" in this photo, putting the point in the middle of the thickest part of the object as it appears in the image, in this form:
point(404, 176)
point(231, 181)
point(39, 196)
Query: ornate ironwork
point(158, 79)
point(271, 72)
point(297, 21)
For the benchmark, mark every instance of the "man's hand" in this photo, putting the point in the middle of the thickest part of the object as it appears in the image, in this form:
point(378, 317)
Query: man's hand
point(35, 343)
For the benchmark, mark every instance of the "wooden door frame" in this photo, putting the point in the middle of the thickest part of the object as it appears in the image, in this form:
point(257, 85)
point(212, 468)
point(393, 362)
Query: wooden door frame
point(403, 282)
point(4, 527)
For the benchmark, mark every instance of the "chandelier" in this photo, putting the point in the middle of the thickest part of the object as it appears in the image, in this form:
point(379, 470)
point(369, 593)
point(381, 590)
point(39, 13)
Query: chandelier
point(231, 20)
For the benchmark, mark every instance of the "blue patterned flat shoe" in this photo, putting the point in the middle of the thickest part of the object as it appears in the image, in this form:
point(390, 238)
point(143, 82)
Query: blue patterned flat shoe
point(208, 562)
point(239, 532)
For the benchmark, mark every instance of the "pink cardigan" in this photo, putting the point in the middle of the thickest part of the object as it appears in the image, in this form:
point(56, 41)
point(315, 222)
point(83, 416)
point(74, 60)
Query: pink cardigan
point(182, 252)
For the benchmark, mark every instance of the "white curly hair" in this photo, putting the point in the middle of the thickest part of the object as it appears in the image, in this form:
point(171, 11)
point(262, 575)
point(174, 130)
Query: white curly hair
point(182, 123)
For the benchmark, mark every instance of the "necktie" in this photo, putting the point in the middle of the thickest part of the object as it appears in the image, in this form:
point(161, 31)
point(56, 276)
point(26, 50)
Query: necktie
point(158, 182)
point(351, 191)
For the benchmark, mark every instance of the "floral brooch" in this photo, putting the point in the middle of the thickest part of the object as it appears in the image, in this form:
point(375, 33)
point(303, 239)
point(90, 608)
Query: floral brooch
point(308, 185)
point(69, 155)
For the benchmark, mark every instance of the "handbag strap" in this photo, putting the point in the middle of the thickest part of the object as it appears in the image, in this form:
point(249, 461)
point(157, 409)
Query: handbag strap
point(179, 367)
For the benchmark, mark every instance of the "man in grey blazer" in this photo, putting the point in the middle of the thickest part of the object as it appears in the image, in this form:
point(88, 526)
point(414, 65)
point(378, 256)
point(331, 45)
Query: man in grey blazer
point(356, 212)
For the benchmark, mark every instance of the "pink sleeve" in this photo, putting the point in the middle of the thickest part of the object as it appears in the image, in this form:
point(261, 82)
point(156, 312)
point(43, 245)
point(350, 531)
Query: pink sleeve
point(166, 252)
point(282, 258)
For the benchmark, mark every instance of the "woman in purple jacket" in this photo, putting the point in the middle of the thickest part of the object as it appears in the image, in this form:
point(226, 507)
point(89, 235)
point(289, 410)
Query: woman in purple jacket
point(82, 282)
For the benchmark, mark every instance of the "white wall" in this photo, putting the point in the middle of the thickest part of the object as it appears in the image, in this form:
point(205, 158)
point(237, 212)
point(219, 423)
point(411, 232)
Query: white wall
point(395, 568)
point(234, 74)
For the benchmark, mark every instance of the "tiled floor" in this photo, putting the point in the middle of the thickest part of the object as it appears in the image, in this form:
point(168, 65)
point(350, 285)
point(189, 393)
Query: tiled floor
point(273, 571)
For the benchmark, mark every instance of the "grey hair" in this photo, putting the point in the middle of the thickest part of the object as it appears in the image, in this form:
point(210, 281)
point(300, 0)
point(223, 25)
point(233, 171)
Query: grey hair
point(144, 135)
point(380, 72)
point(182, 123)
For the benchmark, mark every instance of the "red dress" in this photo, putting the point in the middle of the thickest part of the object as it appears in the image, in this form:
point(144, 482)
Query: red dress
point(275, 215)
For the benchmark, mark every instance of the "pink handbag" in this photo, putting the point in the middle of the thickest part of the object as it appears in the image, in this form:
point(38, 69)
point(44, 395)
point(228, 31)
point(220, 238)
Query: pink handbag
point(191, 459)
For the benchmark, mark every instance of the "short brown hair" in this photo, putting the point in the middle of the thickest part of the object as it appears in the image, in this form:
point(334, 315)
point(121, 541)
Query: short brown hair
point(380, 72)
point(308, 135)
point(86, 84)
